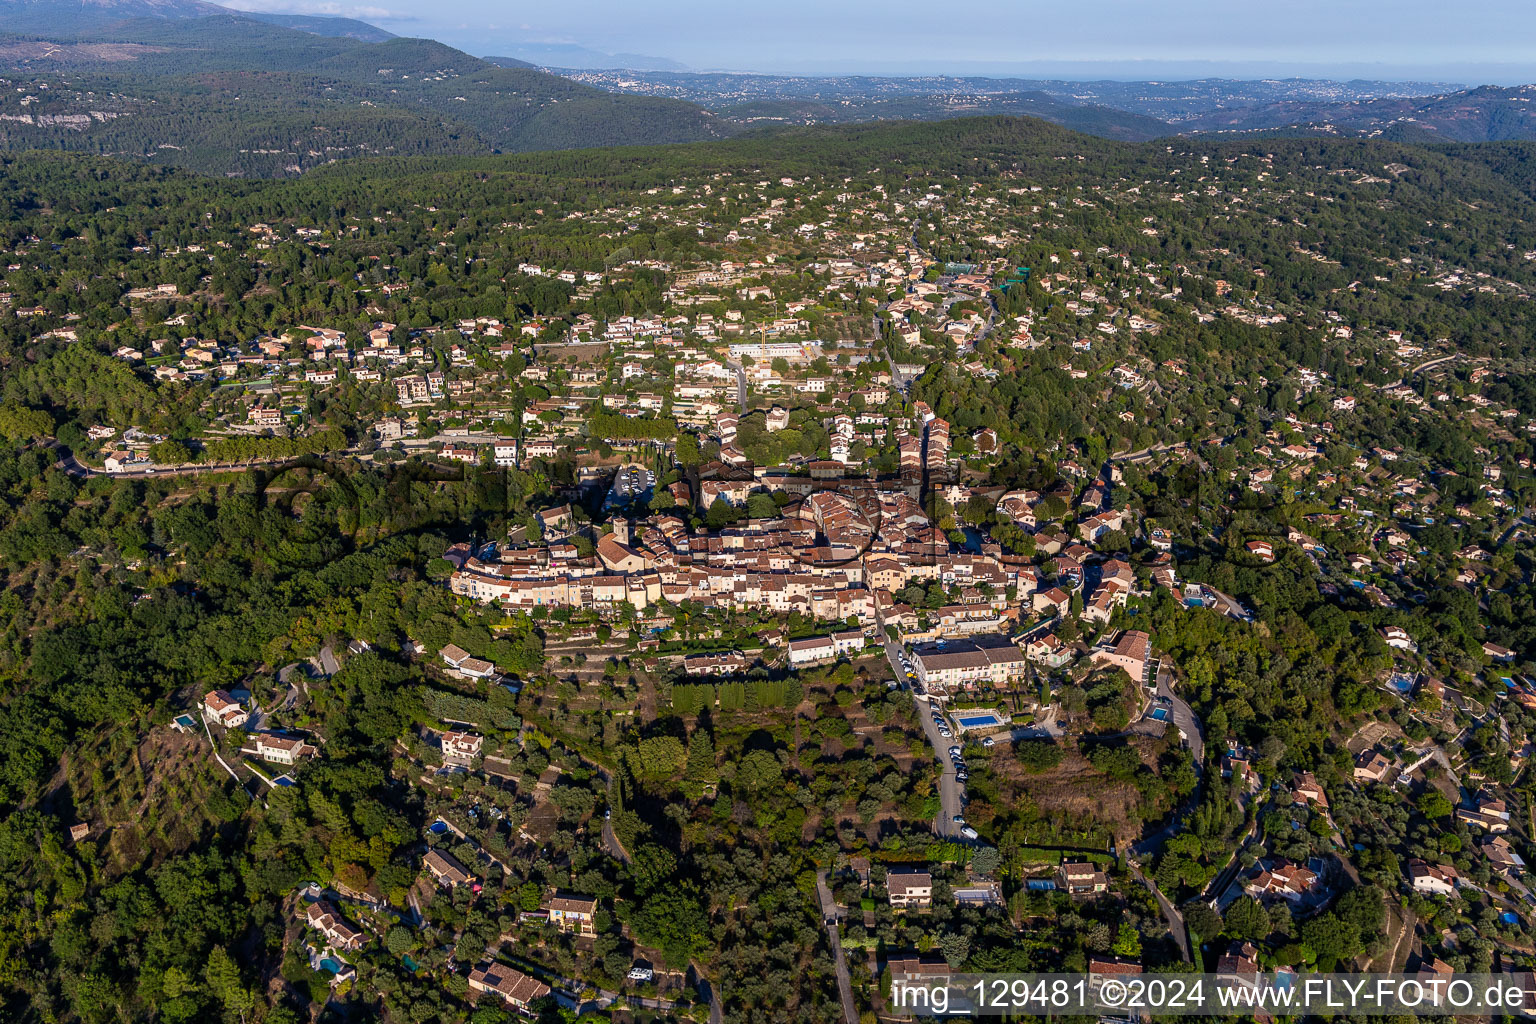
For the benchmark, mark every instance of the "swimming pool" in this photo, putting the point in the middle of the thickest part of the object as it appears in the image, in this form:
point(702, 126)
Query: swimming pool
point(985, 721)
point(438, 827)
point(1401, 682)
point(1161, 714)
point(1509, 918)
point(1194, 602)
point(330, 964)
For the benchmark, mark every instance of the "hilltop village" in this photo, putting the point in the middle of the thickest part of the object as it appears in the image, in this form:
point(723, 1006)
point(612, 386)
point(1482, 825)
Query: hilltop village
point(701, 593)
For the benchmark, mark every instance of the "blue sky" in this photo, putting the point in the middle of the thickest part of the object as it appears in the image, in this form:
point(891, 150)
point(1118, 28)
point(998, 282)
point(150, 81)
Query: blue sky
point(1493, 40)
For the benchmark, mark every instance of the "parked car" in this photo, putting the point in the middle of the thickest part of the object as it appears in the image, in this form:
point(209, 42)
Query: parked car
point(969, 833)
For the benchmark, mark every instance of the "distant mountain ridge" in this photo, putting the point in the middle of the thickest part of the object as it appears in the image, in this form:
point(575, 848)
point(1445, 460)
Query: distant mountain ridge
point(226, 94)
point(344, 28)
point(55, 19)
point(1407, 111)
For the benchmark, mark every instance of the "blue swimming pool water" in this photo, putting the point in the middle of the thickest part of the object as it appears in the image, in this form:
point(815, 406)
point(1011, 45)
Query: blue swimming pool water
point(1161, 714)
point(1401, 683)
point(1194, 602)
point(977, 721)
point(329, 964)
point(1509, 918)
point(437, 828)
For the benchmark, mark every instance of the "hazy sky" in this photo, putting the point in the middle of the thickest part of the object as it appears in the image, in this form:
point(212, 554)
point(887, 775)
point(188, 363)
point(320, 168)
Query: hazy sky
point(1493, 39)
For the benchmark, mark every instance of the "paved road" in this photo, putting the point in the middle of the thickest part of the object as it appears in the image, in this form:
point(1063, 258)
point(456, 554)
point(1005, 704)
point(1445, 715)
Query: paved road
point(74, 468)
point(1426, 365)
point(328, 663)
point(829, 916)
point(741, 385)
point(611, 842)
point(712, 997)
point(612, 845)
point(1184, 717)
point(951, 797)
point(1171, 915)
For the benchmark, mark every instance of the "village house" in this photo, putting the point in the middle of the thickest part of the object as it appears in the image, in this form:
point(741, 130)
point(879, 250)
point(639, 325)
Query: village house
point(1489, 814)
point(220, 708)
point(1501, 855)
point(909, 888)
point(513, 986)
point(728, 664)
point(327, 920)
point(458, 659)
point(460, 748)
point(124, 461)
point(287, 750)
point(572, 913)
point(914, 968)
point(1239, 965)
point(1371, 766)
point(1048, 650)
point(1307, 790)
point(266, 417)
point(1129, 652)
point(1280, 878)
point(1055, 601)
point(1102, 968)
point(445, 869)
point(1082, 878)
point(1433, 879)
point(820, 649)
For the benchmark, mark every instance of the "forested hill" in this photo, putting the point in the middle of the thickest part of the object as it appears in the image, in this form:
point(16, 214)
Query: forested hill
point(90, 18)
point(229, 96)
